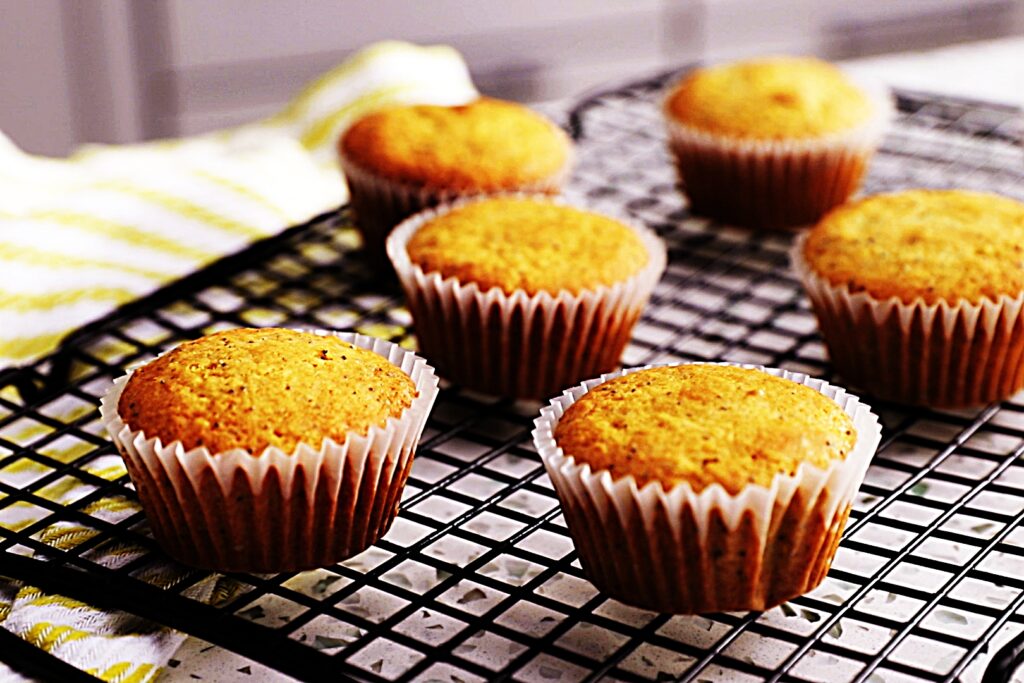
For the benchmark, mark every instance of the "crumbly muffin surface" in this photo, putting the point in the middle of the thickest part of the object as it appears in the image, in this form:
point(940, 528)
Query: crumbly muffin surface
point(254, 388)
point(930, 244)
point(529, 244)
point(704, 424)
point(484, 146)
point(774, 98)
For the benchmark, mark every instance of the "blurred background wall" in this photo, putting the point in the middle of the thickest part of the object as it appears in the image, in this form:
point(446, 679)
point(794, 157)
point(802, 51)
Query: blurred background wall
point(74, 71)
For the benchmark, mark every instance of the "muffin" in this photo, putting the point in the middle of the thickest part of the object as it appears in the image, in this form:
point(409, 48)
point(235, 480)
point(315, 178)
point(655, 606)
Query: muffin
point(400, 160)
point(918, 295)
point(706, 487)
point(771, 143)
point(267, 450)
point(523, 296)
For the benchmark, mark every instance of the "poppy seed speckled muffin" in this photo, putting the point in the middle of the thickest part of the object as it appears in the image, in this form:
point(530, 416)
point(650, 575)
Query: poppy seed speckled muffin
point(772, 142)
point(523, 243)
point(706, 487)
point(522, 296)
point(918, 294)
point(400, 160)
point(271, 449)
point(704, 425)
point(214, 391)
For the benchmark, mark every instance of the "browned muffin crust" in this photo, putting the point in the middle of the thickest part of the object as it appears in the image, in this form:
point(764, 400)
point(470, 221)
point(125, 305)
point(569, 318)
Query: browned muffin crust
point(484, 146)
point(704, 424)
point(528, 243)
point(254, 388)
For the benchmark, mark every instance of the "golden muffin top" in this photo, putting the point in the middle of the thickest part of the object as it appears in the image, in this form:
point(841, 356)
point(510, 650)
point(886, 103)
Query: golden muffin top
point(704, 425)
point(933, 244)
point(529, 244)
point(484, 146)
point(772, 98)
point(254, 388)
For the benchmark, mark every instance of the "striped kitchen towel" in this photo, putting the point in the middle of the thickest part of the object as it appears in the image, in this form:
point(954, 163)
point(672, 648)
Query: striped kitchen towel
point(110, 645)
point(79, 236)
point(111, 223)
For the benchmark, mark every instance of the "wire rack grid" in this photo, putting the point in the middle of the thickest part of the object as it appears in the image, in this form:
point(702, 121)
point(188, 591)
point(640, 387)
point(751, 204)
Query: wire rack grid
point(477, 580)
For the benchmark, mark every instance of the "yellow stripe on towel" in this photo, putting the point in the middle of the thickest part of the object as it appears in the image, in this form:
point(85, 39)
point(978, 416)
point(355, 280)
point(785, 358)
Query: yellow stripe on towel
point(143, 673)
point(35, 256)
point(47, 636)
point(25, 303)
point(322, 131)
point(22, 348)
point(116, 673)
point(184, 207)
point(244, 191)
point(124, 233)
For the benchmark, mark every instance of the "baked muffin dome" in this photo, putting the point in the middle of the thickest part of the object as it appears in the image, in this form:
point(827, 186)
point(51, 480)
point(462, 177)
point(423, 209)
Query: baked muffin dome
point(254, 388)
point(707, 525)
point(527, 243)
point(704, 424)
point(937, 245)
point(772, 98)
point(485, 146)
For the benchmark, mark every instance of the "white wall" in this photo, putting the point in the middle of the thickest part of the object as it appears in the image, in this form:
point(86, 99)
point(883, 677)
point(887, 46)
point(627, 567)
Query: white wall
point(119, 70)
point(35, 97)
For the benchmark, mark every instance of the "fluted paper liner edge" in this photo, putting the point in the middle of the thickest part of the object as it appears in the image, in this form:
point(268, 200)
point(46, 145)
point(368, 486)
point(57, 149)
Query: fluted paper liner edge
point(319, 504)
point(926, 333)
point(537, 359)
point(666, 562)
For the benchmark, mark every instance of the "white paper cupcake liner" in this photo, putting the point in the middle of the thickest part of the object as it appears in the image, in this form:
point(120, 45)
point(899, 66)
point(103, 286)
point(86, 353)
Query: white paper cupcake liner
point(774, 184)
point(379, 204)
point(945, 354)
point(277, 511)
point(688, 553)
point(520, 345)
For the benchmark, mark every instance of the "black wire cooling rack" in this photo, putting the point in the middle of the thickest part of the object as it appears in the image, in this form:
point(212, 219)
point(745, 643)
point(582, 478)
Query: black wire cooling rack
point(478, 579)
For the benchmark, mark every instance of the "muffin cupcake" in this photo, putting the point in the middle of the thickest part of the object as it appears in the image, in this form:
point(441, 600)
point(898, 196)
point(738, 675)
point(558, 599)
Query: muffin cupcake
point(706, 487)
point(918, 295)
point(771, 143)
point(401, 160)
point(523, 296)
point(268, 450)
